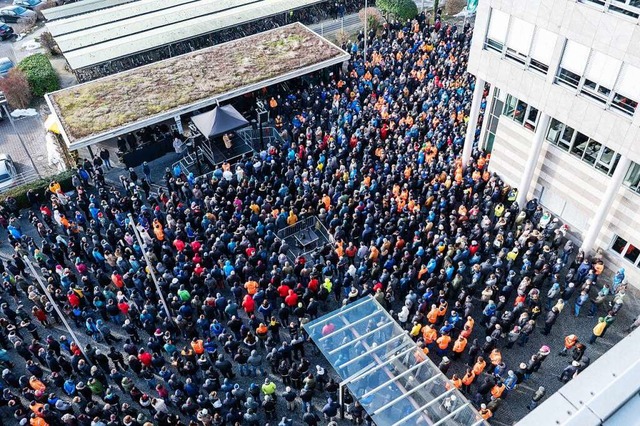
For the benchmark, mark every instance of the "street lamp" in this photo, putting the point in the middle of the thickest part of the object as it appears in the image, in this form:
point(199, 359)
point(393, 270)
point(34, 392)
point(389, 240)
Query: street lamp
point(365, 32)
point(150, 266)
point(4, 103)
point(27, 261)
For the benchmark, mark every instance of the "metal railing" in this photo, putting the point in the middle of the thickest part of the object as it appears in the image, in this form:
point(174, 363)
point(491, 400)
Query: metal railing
point(23, 178)
point(301, 225)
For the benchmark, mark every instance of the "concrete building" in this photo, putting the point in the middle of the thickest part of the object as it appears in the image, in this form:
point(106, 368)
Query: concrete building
point(562, 121)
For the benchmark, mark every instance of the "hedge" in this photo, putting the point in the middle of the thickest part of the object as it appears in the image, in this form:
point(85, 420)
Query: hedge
point(401, 9)
point(40, 74)
point(41, 186)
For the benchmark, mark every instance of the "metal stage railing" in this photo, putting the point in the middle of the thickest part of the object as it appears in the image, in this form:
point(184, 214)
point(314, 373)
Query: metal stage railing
point(289, 234)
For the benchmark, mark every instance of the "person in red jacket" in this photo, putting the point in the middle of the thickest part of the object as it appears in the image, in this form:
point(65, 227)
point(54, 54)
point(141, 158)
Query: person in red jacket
point(248, 304)
point(292, 299)
point(145, 357)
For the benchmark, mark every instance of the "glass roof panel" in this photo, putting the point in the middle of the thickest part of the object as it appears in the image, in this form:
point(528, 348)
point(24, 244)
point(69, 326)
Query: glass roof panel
point(385, 370)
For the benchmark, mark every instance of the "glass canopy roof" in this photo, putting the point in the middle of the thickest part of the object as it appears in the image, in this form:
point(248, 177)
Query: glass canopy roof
point(386, 371)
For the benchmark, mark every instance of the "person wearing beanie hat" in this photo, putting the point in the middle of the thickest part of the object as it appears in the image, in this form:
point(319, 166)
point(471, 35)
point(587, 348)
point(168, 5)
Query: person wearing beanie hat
point(537, 397)
point(569, 372)
point(485, 412)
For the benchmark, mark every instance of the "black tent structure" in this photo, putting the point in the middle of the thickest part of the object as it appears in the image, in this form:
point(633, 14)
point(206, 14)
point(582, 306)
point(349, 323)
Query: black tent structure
point(213, 124)
point(218, 121)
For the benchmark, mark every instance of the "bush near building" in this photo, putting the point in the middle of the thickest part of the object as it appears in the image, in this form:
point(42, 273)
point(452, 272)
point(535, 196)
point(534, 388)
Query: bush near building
point(401, 9)
point(40, 186)
point(40, 74)
point(16, 89)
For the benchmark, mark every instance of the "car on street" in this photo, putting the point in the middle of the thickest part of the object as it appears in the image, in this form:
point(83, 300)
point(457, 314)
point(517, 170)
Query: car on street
point(29, 4)
point(16, 14)
point(6, 32)
point(8, 171)
point(5, 66)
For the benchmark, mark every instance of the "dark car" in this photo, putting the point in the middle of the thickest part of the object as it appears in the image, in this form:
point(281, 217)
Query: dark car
point(5, 32)
point(16, 14)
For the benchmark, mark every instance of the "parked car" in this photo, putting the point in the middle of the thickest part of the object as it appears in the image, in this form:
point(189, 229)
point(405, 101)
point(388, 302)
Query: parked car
point(5, 66)
point(29, 4)
point(6, 32)
point(8, 171)
point(17, 14)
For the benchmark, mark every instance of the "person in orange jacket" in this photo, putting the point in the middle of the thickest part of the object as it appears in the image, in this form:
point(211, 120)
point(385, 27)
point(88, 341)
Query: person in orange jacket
point(485, 412)
point(458, 346)
point(467, 380)
point(429, 334)
point(479, 366)
point(569, 342)
point(456, 382)
point(432, 315)
point(197, 345)
point(443, 344)
point(498, 389)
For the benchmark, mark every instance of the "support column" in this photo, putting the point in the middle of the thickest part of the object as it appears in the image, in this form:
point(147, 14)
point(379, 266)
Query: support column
point(473, 121)
point(605, 203)
point(487, 114)
point(532, 159)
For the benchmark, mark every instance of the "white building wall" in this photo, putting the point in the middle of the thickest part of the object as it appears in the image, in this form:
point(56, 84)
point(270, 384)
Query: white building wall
point(580, 23)
point(565, 184)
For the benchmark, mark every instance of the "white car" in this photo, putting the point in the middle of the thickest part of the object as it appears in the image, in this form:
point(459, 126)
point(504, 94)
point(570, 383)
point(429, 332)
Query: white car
point(8, 171)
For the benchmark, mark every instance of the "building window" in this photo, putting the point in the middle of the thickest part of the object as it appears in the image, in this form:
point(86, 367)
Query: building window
point(574, 60)
point(625, 249)
point(600, 77)
point(632, 179)
point(521, 112)
point(544, 42)
point(581, 146)
point(627, 90)
point(497, 32)
point(629, 8)
point(494, 117)
point(519, 40)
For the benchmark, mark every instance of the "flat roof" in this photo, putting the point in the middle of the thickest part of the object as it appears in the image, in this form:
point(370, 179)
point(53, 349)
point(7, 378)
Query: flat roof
point(94, 35)
point(80, 7)
point(122, 12)
point(128, 45)
point(105, 108)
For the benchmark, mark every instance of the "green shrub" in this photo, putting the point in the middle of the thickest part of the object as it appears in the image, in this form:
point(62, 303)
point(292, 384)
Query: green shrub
point(40, 74)
point(41, 186)
point(401, 9)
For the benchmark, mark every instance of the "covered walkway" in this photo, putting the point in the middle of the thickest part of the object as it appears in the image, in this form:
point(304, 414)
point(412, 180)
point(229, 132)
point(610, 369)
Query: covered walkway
point(384, 369)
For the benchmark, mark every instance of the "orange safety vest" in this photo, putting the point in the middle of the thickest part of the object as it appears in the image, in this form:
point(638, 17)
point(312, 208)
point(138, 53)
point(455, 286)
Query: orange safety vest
point(429, 334)
point(468, 379)
point(457, 383)
point(443, 342)
point(252, 287)
point(478, 367)
point(198, 347)
point(432, 316)
point(570, 341)
point(459, 345)
point(486, 413)
point(442, 310)
point(262, 330)
point(498, 390)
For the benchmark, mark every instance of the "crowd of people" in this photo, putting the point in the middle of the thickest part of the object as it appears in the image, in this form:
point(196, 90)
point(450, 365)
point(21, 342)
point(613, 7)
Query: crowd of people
point(373, 154)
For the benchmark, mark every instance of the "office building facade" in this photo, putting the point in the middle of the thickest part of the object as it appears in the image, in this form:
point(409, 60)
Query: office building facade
point(562, 121)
